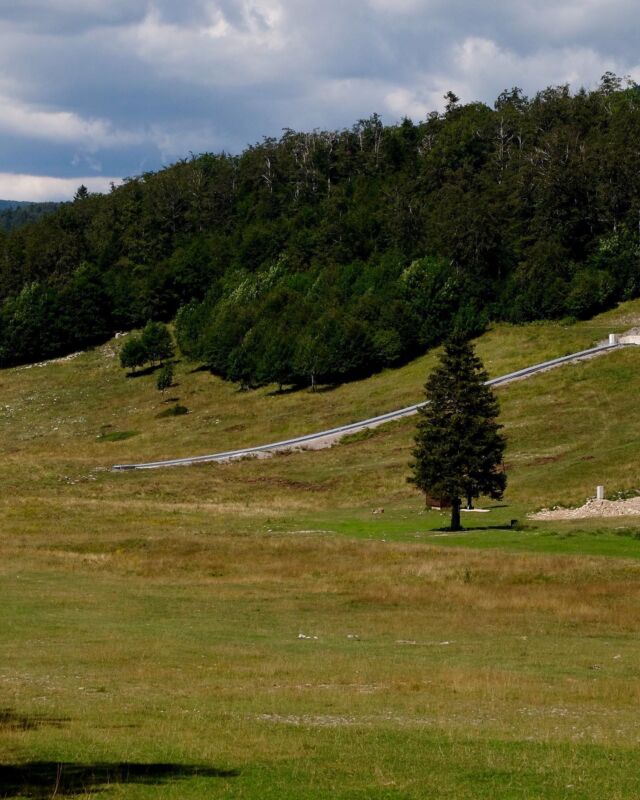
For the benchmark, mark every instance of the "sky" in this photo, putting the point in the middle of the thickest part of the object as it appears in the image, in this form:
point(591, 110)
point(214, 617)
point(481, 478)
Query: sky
point(95, 90)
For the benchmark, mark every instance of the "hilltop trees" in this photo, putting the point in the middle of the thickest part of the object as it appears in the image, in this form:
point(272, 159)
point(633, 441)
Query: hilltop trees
point(458, 444)
point(326, 255)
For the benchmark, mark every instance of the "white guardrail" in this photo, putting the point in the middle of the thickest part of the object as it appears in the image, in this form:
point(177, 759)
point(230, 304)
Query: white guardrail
point(372, 422)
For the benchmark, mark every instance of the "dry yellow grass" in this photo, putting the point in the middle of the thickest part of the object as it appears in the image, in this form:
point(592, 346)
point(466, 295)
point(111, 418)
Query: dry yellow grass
point(158, 615)
point(194, 641)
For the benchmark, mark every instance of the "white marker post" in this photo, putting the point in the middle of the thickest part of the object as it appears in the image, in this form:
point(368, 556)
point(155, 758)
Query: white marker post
point(599, 492)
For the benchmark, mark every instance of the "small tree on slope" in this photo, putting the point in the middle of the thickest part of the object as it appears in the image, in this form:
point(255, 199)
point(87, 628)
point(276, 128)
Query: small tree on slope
point(458, 444)
point(165, 378)
point(157, 341)
point(133, 353)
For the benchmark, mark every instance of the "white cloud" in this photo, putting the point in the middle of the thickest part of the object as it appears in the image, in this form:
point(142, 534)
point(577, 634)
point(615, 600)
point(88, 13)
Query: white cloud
point(39, 188)
point(415, 102)
point(176, 140)
point(221, 52)
point(399, 6)
point(571, 21)
point(61, 126)
point(118, 85)
point(480, 67)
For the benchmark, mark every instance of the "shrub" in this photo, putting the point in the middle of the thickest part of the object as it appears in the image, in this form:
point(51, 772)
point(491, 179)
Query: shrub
point(174, 411)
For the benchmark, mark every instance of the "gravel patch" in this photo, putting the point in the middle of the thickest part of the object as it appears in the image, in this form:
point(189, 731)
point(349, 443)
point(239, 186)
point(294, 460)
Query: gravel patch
point(592, 508)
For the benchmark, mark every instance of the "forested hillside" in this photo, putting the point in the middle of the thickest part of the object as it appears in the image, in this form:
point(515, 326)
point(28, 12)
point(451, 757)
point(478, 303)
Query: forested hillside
point(16, 214)
point(324, 256)
point(7, 204)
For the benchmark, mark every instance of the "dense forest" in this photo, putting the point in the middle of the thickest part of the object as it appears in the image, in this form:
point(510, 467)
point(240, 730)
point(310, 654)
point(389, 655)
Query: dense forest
point(7, 204)
point(14, 214)
point(327, 255)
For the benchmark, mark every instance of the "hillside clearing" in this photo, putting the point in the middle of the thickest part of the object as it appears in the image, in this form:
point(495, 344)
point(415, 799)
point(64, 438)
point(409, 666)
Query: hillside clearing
point(168, 620)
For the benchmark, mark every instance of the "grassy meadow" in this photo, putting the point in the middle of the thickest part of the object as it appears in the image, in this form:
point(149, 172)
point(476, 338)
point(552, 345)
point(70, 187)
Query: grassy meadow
point(252, 630)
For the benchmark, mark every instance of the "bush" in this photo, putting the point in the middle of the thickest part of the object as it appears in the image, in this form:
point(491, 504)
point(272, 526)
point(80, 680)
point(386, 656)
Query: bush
point(174, 411)
point(165, 378)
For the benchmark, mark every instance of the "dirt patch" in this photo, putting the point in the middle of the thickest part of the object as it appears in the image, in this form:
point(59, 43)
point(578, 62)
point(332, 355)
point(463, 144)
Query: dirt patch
point(61, 360)
point(593, 508)
point(544, 460)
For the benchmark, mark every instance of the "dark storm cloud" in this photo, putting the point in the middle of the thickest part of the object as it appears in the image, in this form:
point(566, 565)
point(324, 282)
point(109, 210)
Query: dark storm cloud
point(97, 88)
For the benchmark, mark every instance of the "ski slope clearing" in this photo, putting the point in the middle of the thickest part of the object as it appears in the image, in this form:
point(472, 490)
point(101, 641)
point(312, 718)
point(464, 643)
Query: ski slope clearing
point(327, 438)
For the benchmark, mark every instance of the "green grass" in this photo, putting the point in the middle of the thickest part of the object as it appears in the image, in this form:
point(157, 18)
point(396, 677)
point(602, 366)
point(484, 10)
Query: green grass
point(155, 617)
point(117, 436)
point(434, 670)
point(493, 530)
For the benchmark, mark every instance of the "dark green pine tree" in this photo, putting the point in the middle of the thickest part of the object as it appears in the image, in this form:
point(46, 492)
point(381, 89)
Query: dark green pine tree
point(458, 444)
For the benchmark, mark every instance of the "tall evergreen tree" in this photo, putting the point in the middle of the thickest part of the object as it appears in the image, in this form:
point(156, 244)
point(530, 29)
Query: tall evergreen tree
point(458, 444)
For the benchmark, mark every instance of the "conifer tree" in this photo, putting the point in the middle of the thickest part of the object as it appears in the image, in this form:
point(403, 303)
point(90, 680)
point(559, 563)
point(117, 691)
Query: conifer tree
point(458, 444)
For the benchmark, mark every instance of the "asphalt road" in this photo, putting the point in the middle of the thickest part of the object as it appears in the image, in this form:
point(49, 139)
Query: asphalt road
point(332, 434)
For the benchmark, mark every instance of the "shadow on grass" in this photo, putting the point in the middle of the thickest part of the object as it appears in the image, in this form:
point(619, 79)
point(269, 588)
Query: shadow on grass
point(326, 387)
point(46, 779)
point(293, 388)
point(140, 373)
point(284, 391)
point(149, 370)
point(513, 526)
point(10, 721)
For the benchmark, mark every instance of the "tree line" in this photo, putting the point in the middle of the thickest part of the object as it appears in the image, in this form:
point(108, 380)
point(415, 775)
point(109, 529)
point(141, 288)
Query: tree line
point(15, 215)
point(324, 256)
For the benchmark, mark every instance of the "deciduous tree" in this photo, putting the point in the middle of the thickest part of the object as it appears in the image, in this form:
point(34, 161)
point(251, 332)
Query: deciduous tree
point(133, 353)
point(165, 378)
point(157, 341)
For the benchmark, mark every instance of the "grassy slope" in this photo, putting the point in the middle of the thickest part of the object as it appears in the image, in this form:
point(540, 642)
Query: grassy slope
point(157, 614)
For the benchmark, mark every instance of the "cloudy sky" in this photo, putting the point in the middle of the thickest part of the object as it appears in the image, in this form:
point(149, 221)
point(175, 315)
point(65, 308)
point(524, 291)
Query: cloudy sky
point(93, 90)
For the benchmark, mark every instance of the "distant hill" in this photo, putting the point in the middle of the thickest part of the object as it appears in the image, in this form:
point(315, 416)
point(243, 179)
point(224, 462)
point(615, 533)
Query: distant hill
point(12, 204)
point(16, 213)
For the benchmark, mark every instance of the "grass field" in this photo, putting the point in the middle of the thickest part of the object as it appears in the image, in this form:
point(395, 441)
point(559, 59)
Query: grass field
point(251, 630)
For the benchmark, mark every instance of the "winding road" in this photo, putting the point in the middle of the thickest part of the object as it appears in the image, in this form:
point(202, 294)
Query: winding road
point(328, 437)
